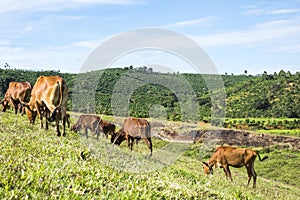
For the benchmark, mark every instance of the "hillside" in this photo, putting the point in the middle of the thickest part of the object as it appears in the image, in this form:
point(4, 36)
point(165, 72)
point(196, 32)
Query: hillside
point(37, 164)
point(263, 96)
point(266, 96)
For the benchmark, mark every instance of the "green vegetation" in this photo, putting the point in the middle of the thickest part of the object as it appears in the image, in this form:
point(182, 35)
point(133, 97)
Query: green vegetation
point(295, 133)
point(280, 126)
point(36, 164)
point(262, 96)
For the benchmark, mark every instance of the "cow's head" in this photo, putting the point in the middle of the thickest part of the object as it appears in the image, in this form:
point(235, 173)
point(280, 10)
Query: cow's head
point(207, 168)
point(30, 112)
point(74, 128)
point(5, 105)
point(118, 137)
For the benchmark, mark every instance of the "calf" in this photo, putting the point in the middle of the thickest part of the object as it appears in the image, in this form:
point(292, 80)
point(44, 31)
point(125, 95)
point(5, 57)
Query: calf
point(107, 128)
point(91, 122)
point(46, 113)
point(134, 129)
point(235, 157)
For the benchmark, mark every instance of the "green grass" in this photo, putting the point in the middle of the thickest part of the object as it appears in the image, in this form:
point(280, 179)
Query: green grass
point(278, 126)
point(295, 133)
point(36, 164)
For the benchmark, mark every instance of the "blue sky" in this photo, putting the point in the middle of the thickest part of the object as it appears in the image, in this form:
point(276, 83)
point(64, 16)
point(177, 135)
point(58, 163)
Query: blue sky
point(237, 35)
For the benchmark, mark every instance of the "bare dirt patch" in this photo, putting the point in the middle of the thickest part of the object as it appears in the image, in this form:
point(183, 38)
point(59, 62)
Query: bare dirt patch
point(234, 138)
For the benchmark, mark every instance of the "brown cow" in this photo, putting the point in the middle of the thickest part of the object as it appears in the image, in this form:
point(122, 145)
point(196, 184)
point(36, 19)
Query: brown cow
point(16, 93)
point(226, 156)
point(107, 128)
point(134, 128)
point(50, 95)
point(46, 113)
point(91, 122)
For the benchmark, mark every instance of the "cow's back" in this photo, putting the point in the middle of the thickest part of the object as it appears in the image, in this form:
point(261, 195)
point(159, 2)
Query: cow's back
point(88, 120)
point(137, 128)
point(19, 90)
point(50, 91)
point(233, 156)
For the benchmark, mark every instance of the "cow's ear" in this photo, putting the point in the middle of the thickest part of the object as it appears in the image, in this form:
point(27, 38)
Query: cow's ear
point(204, 163)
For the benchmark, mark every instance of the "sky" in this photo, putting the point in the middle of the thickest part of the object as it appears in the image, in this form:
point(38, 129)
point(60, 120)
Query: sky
point(237, 35)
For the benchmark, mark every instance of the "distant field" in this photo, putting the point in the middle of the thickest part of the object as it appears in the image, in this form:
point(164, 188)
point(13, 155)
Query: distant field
point(279, 126)
point(295, 133)
point(36, 164)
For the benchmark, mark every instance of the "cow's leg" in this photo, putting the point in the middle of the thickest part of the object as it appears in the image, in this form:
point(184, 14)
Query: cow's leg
point(57, 126)
point(97, 133)
point(15, 107)
point(228, 173)
point(68, 121)
point(64, 125)
point(254, 179)
point(254, 175)
point(22, 109)
point(47, 124)
point(41, 121)
point(225, 172)
point(40, 115)
point(130, 142)
point(150, 145)
point(148, 142)
point(86, 132)
point(4, 105)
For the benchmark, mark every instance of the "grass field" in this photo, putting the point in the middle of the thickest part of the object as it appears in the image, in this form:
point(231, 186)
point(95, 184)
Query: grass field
point(37, 164)
point(278, 126)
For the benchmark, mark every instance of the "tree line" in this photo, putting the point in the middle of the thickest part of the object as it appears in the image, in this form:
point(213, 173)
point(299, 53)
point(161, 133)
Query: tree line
point(266, 95)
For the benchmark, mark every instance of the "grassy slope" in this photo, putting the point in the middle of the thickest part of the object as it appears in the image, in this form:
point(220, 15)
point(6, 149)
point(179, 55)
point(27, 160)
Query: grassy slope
point(36, 163)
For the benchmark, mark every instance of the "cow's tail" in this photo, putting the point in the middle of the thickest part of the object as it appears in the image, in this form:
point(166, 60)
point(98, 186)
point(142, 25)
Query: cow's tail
point(261, 159)
point(98, 127)
point(148, 130)
point(60, 85)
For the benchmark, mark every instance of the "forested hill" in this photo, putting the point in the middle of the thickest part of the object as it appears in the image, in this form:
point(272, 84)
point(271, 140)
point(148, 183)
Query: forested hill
point(266, 95)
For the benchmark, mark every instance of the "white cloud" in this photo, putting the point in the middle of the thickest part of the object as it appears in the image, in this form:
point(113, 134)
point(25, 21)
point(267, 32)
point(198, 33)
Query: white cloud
point(52, 58)
point(4, 42)
point(119, 2)
point(47, 5)
point(205, 21)
point(283, 11)
point(27, 29)
point(90, 44)
point(254, 11)
point(293, 48)
point(272, 32)
point(265, 11)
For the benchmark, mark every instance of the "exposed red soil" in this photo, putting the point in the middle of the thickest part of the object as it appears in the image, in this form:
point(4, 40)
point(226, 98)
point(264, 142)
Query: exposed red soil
point(234, 138)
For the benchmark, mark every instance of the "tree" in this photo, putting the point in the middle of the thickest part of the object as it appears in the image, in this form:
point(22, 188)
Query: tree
point(281, 73)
